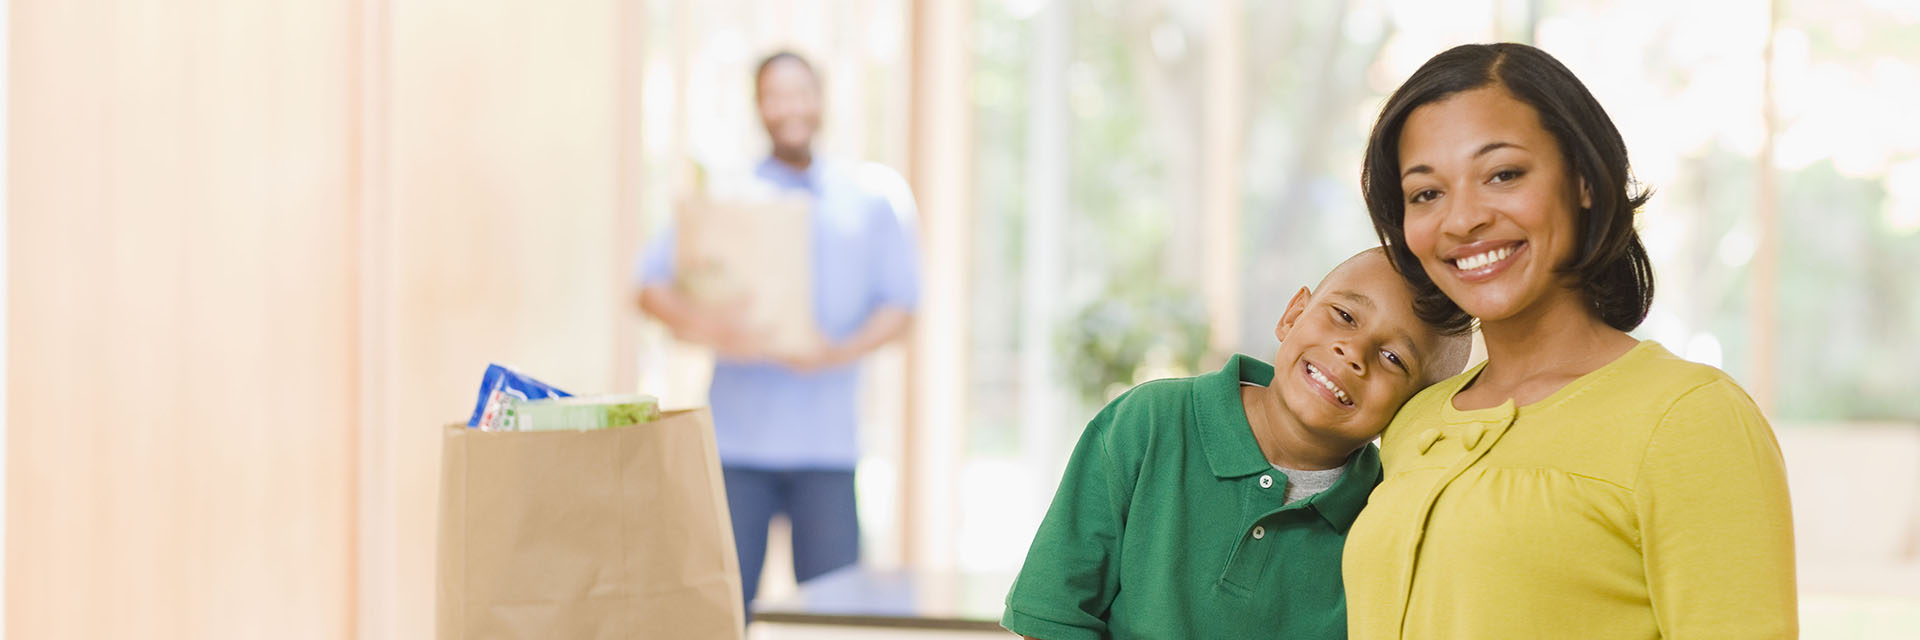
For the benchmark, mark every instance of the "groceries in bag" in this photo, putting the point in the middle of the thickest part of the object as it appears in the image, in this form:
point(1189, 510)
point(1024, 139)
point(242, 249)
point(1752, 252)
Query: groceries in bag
point(501, 385)
point(580, 413)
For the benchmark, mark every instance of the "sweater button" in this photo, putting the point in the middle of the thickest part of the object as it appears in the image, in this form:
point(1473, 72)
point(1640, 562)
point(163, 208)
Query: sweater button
point(1427, 438)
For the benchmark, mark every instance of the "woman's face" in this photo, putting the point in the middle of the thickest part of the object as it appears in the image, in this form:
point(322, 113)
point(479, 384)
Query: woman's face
point(1490, 205)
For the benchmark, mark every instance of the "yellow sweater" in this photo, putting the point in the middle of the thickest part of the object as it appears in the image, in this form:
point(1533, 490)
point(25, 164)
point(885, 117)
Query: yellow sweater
point(1646, 499)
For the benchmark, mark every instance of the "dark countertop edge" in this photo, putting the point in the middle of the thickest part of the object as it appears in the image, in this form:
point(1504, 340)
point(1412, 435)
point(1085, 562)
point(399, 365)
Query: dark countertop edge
point(884, 622)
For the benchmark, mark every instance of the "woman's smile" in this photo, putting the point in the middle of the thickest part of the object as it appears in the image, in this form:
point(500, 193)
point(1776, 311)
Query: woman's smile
point(1483, 261)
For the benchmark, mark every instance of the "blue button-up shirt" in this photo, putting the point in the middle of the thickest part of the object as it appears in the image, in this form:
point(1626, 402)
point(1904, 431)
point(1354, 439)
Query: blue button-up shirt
point(766, 415)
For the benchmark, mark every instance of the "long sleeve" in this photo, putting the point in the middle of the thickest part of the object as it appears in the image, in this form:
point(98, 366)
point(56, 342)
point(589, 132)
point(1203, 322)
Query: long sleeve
point(897, 259)
point(1717, 530)
point(1072, 572)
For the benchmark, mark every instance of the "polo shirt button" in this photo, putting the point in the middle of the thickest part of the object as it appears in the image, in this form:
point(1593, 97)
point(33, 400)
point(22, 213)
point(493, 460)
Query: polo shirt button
point(1266, 482)
point(1259, 532)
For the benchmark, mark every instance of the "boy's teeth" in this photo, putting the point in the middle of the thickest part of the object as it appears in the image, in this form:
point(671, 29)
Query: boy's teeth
point(1337, 393)
point(1476, 261)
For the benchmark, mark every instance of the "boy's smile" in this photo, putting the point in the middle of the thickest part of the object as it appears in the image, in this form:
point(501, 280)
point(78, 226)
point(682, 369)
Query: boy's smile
point(1330, 390)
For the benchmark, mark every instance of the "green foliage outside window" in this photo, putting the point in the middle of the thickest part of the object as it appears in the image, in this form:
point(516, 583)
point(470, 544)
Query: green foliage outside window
point(1134, 333)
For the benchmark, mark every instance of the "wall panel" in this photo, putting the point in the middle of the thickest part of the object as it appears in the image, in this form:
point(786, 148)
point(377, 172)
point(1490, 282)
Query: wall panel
point(181, 389)
point(500, 225)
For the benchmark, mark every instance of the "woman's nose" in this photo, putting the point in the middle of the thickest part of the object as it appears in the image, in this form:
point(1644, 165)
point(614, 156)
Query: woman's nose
point(1465, 214)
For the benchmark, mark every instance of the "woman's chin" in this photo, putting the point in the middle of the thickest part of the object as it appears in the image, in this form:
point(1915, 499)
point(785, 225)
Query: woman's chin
point(1487, 304)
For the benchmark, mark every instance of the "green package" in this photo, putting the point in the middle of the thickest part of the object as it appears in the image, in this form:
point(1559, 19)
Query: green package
point(580, 413)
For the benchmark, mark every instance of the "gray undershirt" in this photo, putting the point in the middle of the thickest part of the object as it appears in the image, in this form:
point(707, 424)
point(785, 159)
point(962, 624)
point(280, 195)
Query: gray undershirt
point(1303, 484)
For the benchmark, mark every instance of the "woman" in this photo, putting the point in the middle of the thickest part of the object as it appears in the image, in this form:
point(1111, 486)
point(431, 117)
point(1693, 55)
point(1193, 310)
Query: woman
point(1580, 483)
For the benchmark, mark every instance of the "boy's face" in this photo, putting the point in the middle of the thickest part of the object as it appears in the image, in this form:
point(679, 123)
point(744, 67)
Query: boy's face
point(1353, 352)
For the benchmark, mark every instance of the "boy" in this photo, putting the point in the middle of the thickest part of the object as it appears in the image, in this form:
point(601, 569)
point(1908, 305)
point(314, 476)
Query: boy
point(1216, 506)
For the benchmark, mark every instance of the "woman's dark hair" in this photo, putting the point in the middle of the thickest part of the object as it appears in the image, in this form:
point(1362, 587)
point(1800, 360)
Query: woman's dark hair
point(1610, 263)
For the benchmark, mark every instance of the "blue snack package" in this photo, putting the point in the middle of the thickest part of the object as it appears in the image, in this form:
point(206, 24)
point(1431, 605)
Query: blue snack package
point(501, 384)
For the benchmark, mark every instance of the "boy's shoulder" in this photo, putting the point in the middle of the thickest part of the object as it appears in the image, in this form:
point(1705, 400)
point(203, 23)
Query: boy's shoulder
point(1215, 389)
point(1148, 408)
point(1170, 415)
point(1156, 395)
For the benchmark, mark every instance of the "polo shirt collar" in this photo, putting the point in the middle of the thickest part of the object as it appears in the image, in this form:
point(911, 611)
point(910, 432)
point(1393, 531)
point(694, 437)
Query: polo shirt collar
point(1232, 452)
point(1340, 504)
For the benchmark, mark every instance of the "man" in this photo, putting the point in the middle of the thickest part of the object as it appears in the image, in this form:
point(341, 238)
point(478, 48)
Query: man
point(786, 424)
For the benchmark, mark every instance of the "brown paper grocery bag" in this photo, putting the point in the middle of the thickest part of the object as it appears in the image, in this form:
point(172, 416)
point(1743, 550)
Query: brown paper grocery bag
point(751, 260)
point(614, 533)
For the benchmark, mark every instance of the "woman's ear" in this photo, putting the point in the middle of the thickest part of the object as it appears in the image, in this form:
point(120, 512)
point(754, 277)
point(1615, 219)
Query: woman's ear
point(1586, 194)
point(1294, 308)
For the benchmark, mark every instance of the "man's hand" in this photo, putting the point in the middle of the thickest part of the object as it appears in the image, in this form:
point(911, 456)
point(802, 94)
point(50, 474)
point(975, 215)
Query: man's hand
point(885, 325)
point(826, 356)
point(731, 342)
point(713, 329)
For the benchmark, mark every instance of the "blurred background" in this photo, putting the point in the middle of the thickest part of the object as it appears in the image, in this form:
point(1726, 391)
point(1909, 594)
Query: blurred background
point(256, 253)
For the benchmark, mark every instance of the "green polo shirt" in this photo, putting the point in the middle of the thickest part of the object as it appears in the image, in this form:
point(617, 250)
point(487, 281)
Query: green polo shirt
point(1169, 523)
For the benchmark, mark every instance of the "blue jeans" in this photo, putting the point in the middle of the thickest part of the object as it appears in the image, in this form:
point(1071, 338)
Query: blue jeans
point(819, 504)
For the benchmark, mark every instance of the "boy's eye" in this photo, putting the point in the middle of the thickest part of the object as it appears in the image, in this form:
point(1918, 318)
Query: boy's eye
point(1344, 316)
point(1423, 195)
point(1395, 359)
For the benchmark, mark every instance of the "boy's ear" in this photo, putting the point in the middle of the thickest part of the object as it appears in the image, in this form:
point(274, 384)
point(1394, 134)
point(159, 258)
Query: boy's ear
point(1294, 308)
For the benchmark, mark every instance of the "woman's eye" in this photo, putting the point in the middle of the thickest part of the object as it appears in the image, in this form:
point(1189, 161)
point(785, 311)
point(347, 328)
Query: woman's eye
point(1423, 195)
point(1506, 175)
